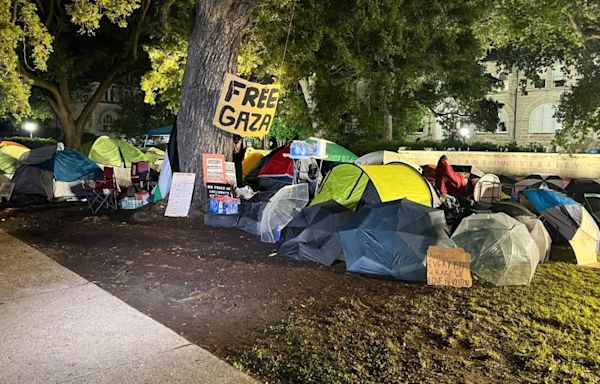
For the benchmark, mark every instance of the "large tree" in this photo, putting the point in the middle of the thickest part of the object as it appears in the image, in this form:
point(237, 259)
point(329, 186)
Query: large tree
point(62, 46)
point(534, 35)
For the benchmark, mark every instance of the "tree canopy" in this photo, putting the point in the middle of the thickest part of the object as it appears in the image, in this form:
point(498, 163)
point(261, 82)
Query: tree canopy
point(536, 34)
point(65, 46)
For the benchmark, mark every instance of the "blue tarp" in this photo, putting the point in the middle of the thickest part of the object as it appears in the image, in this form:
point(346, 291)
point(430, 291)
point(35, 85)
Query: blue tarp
point(162, 131)
point(70, 165)
point(543, 199)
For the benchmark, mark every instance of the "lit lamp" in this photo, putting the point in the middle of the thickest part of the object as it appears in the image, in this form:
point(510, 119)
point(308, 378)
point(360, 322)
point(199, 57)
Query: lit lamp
point(30, 126)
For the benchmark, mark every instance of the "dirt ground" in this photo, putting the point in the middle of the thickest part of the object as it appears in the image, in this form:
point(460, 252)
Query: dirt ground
point(219, 288)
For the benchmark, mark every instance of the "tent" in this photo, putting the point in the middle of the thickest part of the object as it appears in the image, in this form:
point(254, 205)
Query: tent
point(162, 131)
point(385, 157)
point(155, 156)
point(502, 250)
point(10, 153)
point(281, 209)
point(312, 234)
point(115, 152)
point(352, 185)
point(37, 170)
point(250, 212)
point(538, 181)
point(569, 219)
point(250, 162)
point(335, 152)
point(275, 170)
point(392, 238)
point(488, 189)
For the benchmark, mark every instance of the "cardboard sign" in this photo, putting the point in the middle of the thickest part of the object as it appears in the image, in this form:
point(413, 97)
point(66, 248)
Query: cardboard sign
point(213, 168)
point(180, 196)
point(246, 108)
point(230, 172)
point(450, 267)
point(218, 189)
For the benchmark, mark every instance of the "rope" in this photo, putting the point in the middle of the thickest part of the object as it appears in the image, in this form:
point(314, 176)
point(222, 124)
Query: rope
point(287, 39)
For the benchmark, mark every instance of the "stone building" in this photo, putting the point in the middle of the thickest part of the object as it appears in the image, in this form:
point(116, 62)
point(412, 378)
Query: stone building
point(525, 118)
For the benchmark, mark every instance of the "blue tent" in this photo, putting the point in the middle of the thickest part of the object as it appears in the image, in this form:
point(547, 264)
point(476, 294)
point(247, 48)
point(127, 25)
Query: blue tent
point(37, 169)
point(162, 131)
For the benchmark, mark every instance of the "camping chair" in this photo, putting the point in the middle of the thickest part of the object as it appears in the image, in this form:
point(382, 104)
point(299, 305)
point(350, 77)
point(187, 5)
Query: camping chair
point(140, 175)
point(102, 192)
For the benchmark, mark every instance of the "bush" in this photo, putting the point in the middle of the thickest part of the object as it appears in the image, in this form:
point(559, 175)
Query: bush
point(361, 147)
point(30, 142)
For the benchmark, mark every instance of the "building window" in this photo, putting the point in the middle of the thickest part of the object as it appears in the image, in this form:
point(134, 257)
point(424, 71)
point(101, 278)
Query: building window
point(107, 121)
point(542, 120)
point(503, 122)
point(503, 77)
point(539, 83)
point(559, 77)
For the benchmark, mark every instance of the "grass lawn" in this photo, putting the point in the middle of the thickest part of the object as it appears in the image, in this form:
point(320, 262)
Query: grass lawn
point(548, 331)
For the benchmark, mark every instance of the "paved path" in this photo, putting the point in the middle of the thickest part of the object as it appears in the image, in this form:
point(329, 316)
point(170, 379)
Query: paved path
point(56, 327)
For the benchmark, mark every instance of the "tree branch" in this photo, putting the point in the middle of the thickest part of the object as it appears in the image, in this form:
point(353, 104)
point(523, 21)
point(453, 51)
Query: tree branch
point(39, 82)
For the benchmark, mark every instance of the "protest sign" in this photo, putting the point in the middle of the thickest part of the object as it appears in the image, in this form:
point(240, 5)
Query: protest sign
point(218, 189)
point(230, 173)
point(180, 196)
point(246, 108)
point(448, 266)
point(213, 168)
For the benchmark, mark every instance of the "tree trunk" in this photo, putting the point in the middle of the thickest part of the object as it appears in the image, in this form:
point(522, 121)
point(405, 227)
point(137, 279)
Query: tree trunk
point(388, 126)
point(212, 52)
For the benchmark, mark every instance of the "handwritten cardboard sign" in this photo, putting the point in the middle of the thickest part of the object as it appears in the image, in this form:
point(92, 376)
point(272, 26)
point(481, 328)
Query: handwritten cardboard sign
point(246, 108)
point(450, 267)
point(213, 168)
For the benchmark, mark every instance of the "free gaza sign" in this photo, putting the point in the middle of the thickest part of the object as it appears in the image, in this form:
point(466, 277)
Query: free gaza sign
point(246, 108)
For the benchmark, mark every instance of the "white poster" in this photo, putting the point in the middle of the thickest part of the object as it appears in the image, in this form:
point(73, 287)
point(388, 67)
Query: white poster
point(180, 196)
point(230, 171)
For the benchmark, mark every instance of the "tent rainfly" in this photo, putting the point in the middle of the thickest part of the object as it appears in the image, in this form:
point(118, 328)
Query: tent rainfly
point(352, 185)
point(115, 152)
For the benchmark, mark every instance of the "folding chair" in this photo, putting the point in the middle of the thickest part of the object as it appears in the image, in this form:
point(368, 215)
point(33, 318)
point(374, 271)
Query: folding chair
point(103, 192)
point(140, 175)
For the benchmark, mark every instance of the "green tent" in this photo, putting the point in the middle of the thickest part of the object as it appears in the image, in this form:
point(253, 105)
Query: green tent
point(9, 154)
point(155, 155)
point(335, 152)
point(351, 185)
point(115, 152)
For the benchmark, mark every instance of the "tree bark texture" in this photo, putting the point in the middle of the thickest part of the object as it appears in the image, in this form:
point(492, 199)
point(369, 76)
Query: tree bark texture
point(212, 52)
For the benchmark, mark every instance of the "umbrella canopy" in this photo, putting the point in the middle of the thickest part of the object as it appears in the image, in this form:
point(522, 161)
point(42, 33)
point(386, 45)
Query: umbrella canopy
point(250, 212)
point(502, 250)
point(512, 209)
point(578, 188)
point(538, 181)
point(281, 209)
point(570, 220)
point(385, 157)
point(335, 152)
point(539, 234)
point(488, 188)
point(391, 239)
point(312, 234)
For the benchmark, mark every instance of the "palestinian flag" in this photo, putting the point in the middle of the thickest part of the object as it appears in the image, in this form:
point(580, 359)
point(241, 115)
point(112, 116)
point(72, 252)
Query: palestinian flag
point(170, 165)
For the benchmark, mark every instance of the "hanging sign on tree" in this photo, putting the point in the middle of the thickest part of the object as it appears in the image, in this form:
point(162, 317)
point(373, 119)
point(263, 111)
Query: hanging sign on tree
point(246, 108)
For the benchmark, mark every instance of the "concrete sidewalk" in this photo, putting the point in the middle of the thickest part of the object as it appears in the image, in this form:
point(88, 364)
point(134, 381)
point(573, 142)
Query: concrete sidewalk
point(56, 327)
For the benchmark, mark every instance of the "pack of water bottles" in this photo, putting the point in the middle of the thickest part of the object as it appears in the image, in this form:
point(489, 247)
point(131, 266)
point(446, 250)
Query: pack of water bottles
point(130, 203)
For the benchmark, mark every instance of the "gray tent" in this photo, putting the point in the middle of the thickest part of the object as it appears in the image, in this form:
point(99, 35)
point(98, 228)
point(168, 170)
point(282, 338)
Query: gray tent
point(35, 181)
point(502, 250)
point(312, 234)
point(392, 238)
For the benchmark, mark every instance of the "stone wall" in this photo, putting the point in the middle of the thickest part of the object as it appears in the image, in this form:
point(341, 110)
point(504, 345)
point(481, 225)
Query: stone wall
point(516, 164)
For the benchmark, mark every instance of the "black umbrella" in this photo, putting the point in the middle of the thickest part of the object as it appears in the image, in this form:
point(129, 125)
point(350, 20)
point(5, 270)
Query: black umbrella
point(312, 234)
point(512, 209)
